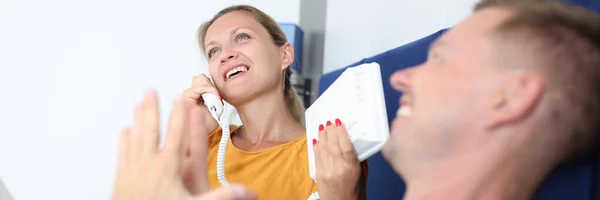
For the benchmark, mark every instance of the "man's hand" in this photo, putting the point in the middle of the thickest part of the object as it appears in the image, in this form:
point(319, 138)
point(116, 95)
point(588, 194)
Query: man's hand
point(146, 172)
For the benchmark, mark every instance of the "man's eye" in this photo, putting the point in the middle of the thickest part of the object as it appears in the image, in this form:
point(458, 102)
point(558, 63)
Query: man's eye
point(433, 55)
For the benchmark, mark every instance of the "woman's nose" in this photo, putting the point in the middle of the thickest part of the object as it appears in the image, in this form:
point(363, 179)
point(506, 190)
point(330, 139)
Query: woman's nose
point(401, 80)
point(228, 55)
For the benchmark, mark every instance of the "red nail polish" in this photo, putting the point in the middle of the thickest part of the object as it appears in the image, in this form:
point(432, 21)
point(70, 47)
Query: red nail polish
point(314, 141)
point(321, 127)
point(328, 123)
point(338, 122)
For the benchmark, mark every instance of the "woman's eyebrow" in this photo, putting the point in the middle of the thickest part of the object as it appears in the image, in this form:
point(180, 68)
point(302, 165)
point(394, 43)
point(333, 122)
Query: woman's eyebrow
point(232, 32)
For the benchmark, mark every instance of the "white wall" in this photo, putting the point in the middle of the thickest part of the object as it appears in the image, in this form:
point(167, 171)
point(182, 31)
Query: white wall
point(357, 29)
point(70, 73)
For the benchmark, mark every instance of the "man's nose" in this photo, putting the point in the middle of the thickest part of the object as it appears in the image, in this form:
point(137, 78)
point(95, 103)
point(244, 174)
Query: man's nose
point(401, 80)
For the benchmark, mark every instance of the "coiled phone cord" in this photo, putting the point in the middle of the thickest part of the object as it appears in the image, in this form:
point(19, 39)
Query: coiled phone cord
point(225, 135)
point(314, 196)
point(221, 154)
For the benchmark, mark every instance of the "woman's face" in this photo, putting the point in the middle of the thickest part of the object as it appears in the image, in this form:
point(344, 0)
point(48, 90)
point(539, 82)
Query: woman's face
point(243, 59)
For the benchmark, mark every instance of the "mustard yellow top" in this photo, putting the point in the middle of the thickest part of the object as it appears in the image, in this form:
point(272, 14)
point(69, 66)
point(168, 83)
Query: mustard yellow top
point(279, 172)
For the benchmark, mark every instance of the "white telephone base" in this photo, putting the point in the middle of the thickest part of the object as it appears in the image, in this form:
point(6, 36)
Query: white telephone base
point(356, 98)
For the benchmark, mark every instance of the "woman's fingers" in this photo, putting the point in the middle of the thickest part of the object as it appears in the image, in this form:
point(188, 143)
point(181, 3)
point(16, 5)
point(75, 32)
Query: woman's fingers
point(317, 148)
point(346, 147)
point(195, 93)
point(337, 141)
point(200, 85)
point(333, 144)
point(336, 175)
point(200, 80)
point(150, 124)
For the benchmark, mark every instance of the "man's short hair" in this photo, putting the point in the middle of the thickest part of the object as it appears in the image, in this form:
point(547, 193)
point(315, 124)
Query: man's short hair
point(565, 41)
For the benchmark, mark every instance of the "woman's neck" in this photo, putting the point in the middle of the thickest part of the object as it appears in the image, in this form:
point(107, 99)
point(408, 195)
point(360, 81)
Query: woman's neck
point(267, 119)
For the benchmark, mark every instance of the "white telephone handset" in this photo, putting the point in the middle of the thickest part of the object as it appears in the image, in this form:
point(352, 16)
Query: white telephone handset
point(356, 98)
point(216, 108)
point(214, 104)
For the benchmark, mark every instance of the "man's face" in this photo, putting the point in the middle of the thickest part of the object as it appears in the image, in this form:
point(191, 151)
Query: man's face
point(444, 98)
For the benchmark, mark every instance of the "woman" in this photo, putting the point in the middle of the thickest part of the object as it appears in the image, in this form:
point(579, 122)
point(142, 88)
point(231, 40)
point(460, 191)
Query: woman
point(249, 57)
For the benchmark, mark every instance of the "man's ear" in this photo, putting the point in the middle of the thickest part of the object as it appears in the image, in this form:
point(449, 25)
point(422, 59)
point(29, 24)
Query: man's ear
point(515, 99)
point(288, 55)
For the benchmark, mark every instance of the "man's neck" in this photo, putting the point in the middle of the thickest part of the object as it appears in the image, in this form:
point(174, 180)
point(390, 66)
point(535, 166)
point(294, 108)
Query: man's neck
point(266, 118)
point(493, 176)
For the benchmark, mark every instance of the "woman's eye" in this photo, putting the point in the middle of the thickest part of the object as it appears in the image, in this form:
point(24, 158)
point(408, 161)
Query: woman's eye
point(242, 36)
point(212, 52)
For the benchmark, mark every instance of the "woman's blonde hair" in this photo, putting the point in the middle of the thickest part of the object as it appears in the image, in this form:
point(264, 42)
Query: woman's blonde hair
point(294, 103)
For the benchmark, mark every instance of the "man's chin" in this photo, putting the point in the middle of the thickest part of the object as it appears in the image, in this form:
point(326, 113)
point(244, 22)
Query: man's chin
point(388, 152)
point(391, 153)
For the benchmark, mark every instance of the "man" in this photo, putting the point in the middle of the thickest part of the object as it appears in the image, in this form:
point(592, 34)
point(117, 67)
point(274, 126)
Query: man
point(504, 97)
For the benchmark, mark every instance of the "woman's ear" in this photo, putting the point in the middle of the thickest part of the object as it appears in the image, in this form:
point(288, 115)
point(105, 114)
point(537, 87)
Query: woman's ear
point(288, 55)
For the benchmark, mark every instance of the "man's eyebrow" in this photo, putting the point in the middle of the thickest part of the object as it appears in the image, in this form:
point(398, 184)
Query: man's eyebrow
point(232, 32)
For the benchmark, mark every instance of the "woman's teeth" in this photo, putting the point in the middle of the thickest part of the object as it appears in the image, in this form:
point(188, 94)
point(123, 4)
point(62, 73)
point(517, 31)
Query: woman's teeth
point(236, 70)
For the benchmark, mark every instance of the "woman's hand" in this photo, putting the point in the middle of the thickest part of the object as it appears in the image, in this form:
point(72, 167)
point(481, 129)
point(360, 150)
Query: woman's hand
point(338, 168)
point(194, 168)
point(200, 85)
point(146, 172)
